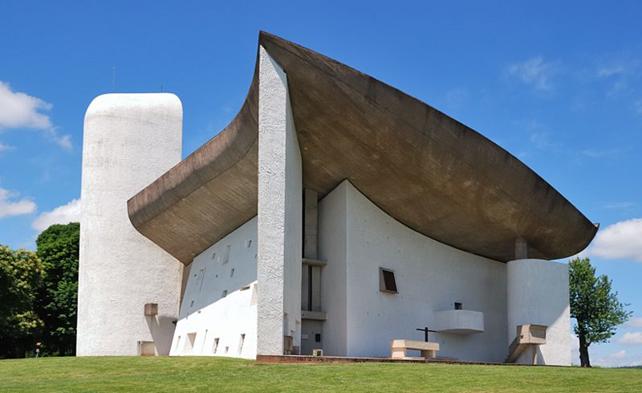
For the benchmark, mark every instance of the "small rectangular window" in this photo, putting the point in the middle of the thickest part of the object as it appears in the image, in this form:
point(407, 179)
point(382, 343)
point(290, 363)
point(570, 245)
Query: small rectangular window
point(241, 342)
point(226, 257)
point(387, 282)
point(215, 347)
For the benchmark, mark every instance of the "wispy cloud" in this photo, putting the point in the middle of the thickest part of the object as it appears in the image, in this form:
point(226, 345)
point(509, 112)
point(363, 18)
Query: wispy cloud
point(601, 153)
point(4, 147)
point(535, 72)
point(635, 322)
point(20, 110)
point(622, 240)
point(64, 214)
point(619, 205)
point(10, 205)
point(631, 338)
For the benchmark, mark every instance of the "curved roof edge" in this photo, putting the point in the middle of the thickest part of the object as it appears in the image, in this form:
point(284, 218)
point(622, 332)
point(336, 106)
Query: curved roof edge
point(425, 169)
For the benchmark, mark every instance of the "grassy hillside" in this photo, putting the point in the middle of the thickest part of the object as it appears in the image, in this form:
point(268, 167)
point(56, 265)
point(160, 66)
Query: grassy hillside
point(220, 375)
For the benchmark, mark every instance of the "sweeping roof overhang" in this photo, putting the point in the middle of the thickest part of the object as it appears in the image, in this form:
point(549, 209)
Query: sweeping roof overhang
point(425, 169)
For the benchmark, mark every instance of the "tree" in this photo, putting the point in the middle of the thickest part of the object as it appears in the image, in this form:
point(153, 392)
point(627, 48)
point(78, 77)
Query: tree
point(57, 247)
point(594, 306)
point(21, 273)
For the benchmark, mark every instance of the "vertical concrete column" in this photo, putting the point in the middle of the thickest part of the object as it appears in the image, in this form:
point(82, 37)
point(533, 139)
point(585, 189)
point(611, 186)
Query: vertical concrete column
point(279, 214)
point(129, 141)
point(521, 248)
point(311, 275)
point(538, 293)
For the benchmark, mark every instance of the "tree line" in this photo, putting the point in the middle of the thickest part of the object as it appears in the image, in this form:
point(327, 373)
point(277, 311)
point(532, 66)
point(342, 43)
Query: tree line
point(38, 295)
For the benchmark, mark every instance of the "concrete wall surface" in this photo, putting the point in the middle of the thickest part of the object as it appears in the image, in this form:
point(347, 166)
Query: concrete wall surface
point(129, 141)
point(538, 293)
point(430, 277)
point(279, 213)
point(218, 311)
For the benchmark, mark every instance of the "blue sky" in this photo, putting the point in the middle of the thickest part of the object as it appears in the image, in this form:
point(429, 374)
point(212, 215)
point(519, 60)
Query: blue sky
point(558, 84)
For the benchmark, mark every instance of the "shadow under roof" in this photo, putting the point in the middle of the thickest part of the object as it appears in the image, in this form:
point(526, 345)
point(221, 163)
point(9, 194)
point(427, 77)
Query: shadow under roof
point(425, 169)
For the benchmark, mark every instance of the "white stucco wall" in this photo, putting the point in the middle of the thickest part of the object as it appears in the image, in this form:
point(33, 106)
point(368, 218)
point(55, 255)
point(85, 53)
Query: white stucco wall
point(430, 277)
point(129, 141)
point(334, 284)
point(279, 213)
point(220, 298)
point(538, 293)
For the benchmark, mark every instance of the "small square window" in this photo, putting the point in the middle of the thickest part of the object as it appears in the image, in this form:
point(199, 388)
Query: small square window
point(387, 282)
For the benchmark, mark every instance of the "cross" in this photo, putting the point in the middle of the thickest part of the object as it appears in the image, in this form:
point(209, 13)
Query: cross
point(426, 330)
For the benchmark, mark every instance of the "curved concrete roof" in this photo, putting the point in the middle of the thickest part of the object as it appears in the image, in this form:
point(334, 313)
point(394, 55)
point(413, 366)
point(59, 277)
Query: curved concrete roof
point(427, 170)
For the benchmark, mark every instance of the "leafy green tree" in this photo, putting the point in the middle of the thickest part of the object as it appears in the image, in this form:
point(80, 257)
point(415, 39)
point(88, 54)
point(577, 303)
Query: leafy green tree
point(21, 273)
point(57, 247)
point(594, 306)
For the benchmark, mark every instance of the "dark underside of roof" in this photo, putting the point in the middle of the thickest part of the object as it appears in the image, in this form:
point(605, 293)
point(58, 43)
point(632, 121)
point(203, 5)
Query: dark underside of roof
point(425, 169)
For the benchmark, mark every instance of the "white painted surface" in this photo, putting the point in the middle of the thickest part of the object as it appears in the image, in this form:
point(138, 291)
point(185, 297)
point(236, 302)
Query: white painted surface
point(430, 277)
point(538, 293)
point(334, 284)
point(220, 298)
point(459, 321)
point(279, 213)
point(129, 141)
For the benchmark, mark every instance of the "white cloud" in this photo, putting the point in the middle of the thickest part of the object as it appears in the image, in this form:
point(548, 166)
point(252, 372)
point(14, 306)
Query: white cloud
point(534, 72)
point(4, 147)
point(635, 322)
point(622, 240)
point(61, 215)
point(20, 110)
point(634, 338)
point(11, 207)
point(611, 70)
point(619, 205)
point(618, 355)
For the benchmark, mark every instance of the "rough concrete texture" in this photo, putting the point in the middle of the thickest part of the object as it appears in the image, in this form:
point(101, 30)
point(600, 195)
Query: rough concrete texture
point(279, 214)
point(425, 169)
point(538, 293)
point(129, 140)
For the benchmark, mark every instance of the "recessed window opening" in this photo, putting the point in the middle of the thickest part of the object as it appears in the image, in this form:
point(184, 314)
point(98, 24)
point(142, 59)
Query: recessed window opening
point(189, 343)
point(249, 243)
point(241, 342)
point(387, 281)
point(215, 346)
point(224, 293)
point(232, 272)
point(213, 256)
point(204, 340)
point(226, 257)
point(227, 349)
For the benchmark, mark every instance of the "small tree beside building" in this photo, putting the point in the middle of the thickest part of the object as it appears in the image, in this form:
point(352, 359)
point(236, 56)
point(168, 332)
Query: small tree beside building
point(594, 305)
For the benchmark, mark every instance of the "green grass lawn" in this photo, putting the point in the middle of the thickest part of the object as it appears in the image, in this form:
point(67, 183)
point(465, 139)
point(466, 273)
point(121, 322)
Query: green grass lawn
point(196, 374)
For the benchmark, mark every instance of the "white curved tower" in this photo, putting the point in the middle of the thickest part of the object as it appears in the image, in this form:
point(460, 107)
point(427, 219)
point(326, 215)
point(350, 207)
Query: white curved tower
point(537, 293)
point(129, 141)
